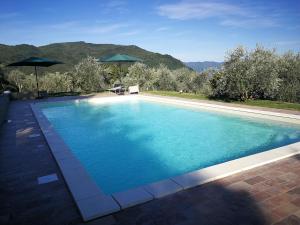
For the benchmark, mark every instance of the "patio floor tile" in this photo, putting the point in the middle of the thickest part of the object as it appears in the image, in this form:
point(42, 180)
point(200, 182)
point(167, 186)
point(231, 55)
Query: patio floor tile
point(255, 180)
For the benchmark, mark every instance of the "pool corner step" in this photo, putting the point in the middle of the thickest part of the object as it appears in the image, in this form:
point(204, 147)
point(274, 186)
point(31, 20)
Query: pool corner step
point(163, 188)
point(132, 197)
point(97, 206)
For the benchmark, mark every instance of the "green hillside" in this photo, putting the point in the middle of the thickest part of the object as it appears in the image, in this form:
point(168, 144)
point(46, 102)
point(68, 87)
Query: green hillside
point(72, 52)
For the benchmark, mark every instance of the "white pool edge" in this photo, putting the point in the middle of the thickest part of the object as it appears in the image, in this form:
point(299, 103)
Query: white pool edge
point(93, 203)
point(90, 200)
point(281, 117)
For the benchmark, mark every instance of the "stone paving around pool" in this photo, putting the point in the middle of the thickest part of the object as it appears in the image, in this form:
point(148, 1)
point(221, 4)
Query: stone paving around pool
point(33, 191)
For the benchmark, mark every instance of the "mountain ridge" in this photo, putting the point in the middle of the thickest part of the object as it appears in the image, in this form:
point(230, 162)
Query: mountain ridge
point(72, 52)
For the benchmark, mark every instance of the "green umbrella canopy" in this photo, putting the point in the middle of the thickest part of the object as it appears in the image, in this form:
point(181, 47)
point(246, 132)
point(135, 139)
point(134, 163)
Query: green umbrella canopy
point(35, 61)
point(120, 58)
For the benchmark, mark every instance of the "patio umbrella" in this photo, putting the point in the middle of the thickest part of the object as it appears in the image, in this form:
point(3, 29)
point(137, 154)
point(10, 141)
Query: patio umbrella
point(119, 59)
point(35, 61)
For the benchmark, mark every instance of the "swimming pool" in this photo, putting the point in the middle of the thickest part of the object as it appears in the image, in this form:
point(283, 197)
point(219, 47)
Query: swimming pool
point(131, 143)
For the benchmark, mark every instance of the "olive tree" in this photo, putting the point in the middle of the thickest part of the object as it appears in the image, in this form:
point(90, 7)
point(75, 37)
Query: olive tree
point(218, 85)
point(151, 80)
point(200, 82)
point(263, 73)
point(29, 83)
point(138, 74)
point(248, 75)
point(235, 82)
point(56, 82)
point(89, 75)
point(184, 79)
point(289, 73)
point(17, 78)
point(164, 79)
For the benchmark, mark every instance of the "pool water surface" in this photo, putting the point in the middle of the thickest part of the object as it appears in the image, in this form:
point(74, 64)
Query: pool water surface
point(135, 142)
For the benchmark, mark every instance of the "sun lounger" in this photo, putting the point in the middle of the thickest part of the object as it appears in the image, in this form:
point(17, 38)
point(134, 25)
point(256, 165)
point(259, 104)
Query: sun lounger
point(118, 89)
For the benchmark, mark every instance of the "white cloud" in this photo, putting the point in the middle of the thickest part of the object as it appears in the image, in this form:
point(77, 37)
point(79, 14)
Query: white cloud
point(227, 14)
point(104, 29)
point(79, 27)
point(114, 6)
point(116, 3)
point(198, 10)
point(249, 23)
point(162, 29)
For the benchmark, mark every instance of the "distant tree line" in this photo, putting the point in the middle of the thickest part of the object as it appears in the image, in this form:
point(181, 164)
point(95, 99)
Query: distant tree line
point(257, 74)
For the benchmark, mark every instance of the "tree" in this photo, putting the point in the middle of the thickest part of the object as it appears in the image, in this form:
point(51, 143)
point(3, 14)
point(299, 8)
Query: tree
point(151, 80)
point(17, 78)
point(218, 85)
point(247, 75)
point(29, 83)
point(56, 82)
point(200, 82)
point(263, 73)
point(235, 83)
point(164, 79)
point(3, 81)
point(138, 74)
point(184, 79)
point(90, 75)
point(289, 74)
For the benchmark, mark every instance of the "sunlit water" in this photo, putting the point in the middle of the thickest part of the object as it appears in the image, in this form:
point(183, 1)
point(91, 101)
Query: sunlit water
point(128, 144)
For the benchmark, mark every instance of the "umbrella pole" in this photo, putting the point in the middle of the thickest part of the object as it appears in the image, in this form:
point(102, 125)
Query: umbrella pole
point(37, 84)
point(120, 73)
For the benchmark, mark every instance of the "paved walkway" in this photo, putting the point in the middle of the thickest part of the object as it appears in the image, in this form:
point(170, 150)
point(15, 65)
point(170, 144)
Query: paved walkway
point(266, 195)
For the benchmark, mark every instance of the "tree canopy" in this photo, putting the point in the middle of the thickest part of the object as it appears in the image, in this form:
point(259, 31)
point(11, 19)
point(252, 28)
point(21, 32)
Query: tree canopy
point(246, 74)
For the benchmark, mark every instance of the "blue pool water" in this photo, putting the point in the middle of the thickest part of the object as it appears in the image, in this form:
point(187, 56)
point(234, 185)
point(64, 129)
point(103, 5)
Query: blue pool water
point(128, 144)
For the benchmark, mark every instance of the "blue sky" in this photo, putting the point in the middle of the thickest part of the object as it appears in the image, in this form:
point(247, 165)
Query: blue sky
point(191, 30)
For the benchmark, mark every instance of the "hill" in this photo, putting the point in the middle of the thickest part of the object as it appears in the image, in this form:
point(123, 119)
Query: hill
point(202, 66)
point(72, 52)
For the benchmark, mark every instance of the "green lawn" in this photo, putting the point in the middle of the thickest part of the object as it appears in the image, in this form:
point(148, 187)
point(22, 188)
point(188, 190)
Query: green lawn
point(177, 94)
point(272, 104)
point(261, 103)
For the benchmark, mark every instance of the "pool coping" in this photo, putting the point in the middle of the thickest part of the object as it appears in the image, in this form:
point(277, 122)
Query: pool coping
point(276, 116)
point(91, 200)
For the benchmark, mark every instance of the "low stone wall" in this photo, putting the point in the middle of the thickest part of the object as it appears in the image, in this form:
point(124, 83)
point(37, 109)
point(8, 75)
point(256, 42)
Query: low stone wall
point(4, 102)
point(23, 95)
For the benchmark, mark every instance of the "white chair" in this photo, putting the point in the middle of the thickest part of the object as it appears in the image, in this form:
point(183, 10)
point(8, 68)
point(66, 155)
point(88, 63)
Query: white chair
point(133, 89)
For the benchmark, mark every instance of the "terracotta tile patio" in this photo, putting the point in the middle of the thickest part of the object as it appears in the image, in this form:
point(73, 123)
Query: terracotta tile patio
point(268, 194)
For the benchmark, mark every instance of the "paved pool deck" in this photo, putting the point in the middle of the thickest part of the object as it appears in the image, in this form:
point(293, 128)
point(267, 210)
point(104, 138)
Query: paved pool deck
point(33, 191)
